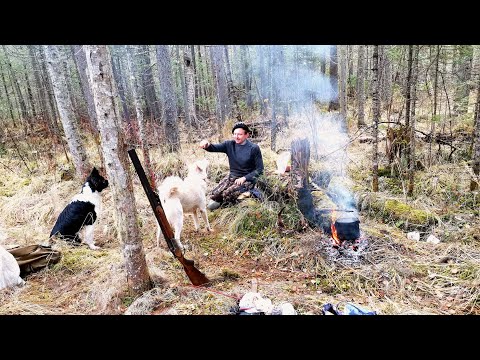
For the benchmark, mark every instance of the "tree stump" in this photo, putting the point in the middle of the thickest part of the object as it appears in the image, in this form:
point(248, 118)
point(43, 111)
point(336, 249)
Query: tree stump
point(300, 150)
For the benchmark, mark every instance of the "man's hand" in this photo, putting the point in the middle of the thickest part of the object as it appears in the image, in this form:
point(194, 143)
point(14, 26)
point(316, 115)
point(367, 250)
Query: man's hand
point(240, 181)
point(204, 144)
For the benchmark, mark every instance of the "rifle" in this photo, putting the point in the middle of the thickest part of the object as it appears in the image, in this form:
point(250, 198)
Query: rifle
point(195, 276)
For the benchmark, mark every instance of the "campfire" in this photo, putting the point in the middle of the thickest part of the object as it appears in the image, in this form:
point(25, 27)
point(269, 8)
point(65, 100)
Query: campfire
point(344, 227)
point(342, 242)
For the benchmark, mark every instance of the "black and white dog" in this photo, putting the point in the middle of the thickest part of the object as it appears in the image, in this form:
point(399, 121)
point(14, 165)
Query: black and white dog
point(82, 211)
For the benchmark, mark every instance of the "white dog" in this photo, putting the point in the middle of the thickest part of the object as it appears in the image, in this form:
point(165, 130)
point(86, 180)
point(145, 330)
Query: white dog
point(9, 270)
point(186, 196)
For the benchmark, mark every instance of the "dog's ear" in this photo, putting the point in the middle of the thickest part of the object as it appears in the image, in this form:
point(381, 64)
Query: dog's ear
point(94, 171)
point(202, 164)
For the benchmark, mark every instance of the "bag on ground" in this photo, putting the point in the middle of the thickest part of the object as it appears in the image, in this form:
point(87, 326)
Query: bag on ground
point(32, 258)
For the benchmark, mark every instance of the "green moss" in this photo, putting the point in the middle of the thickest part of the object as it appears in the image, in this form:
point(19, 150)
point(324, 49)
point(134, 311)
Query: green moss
point(402, 211)
point(228, 274)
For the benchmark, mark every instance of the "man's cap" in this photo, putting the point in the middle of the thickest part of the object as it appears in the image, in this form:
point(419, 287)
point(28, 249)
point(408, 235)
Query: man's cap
point(241, 125)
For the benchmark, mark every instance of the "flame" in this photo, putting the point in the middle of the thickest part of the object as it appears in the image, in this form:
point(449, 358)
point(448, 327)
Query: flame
point(336, 240)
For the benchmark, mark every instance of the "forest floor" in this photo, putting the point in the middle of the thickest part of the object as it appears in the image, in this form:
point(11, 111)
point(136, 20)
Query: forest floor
point(388, 273)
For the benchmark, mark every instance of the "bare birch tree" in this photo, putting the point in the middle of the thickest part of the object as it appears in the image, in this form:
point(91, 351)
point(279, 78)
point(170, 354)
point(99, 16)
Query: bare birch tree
point(115, 154)
point(56, 70)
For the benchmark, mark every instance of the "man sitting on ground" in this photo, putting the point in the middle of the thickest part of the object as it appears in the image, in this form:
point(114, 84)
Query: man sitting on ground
point(245, 162)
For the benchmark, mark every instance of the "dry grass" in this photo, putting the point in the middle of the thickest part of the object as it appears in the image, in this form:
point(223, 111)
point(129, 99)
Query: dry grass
point(390, 274)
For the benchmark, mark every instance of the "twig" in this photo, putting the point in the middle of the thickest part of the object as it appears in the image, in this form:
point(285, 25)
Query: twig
point(6, 167)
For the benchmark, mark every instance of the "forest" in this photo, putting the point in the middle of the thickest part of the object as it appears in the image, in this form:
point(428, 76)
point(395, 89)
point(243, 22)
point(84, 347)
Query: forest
point(384, 139)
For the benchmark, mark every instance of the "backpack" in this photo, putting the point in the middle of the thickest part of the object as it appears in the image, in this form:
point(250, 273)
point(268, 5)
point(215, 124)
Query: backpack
point(32, 258)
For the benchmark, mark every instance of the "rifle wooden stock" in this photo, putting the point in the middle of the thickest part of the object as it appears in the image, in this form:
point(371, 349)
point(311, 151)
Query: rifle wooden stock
point(195, 276)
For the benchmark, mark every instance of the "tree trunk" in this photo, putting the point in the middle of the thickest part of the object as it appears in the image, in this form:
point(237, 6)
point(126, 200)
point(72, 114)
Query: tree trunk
point(10, 107)
point(334, 105)
point(210, 80)
point(194, 67)
point(218, 69)
point(49, 94)
point(118, 77)
point(169, 101)
point(376, 118)
point(350, 66)
point(343, 82)
point(408, 91)
point(474, 182)
point(300, 158)
point(462, 76)
point(183, 86)
point(475, 73)
point(387, 78)
point(202, 80)
point(323, 64)
point(247, 76)
point(190, 86)
point(262, 89)
point(434, 116)
point(231, 91)
point(117, 168)
point(361, 86)
point(81, 63)
point(30, 94)
point(140, 119)
point(274, 56)
point(56, 70)
point(73, 99)
point(148, 83)
point(412, 157)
